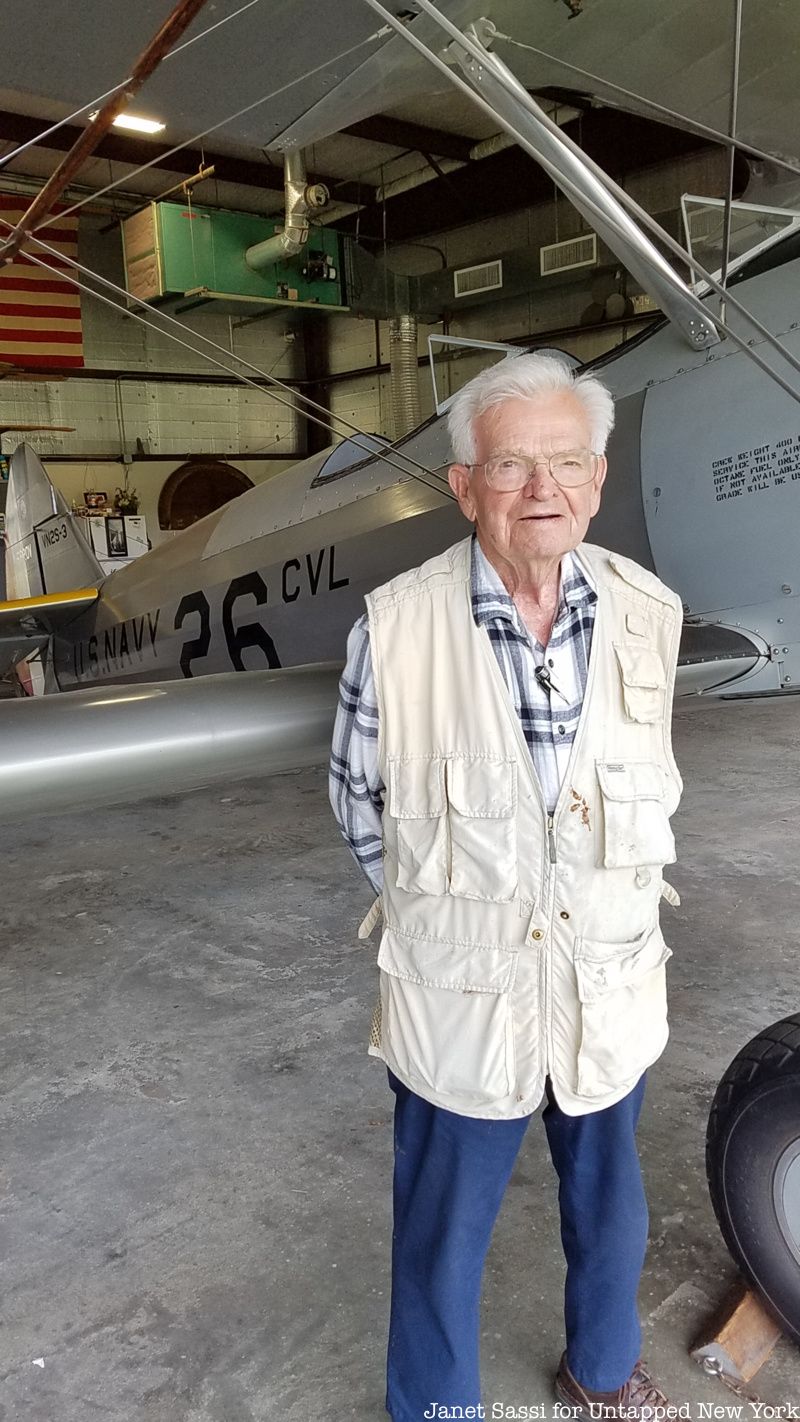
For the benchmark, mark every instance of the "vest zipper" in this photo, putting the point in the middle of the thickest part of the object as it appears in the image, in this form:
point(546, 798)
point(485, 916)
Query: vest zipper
point(551, 840)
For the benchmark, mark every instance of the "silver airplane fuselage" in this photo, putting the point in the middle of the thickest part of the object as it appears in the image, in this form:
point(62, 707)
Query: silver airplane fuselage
point(703, 488)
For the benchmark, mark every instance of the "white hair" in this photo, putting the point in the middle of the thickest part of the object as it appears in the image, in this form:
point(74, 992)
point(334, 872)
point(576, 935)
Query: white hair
point(526, 377)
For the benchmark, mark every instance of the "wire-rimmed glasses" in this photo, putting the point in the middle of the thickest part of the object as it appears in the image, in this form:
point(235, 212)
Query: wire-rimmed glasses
point(570, 468)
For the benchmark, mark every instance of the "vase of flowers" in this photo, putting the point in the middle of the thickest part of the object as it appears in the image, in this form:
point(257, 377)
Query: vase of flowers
point(126, 500)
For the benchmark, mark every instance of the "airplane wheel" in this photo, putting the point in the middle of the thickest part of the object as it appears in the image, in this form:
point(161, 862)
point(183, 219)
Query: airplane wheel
point(753, 1166)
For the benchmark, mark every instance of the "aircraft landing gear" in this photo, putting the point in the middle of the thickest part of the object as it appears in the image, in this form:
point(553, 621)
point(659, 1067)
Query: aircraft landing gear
point(753, 1166)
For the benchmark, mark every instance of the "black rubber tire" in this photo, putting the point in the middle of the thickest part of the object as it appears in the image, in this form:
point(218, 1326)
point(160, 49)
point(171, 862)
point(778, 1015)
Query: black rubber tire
point(753, 1138)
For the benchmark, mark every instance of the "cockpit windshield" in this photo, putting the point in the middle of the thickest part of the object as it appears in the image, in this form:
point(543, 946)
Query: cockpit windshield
point(349, 452)
point(753, 228)
point(455, 359)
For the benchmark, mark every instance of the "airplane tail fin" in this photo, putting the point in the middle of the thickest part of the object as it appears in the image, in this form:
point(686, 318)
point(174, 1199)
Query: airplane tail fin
point(45, 550)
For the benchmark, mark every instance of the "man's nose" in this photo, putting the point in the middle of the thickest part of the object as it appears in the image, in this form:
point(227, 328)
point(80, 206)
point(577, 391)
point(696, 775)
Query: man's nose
point(541, 482)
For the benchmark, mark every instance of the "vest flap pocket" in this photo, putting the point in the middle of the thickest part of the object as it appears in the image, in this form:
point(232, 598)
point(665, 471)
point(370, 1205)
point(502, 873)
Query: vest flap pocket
point(457, 966)
point(481, 788)
point(640, 666)
point(631, 779)
point(482, 805)
point(623, 996)
point(604, 967)
point(446, 1021)
point(416, 787)
point(636, 825)
point(644, 681)
point(416, 803)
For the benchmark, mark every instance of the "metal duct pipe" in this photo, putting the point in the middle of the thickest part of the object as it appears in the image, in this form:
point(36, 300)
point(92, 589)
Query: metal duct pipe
point(404, 374)
point(114, 744)
point(301, 198)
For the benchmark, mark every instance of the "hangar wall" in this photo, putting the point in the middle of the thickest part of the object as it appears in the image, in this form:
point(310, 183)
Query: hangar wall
point(170, 417)
point(179, 417)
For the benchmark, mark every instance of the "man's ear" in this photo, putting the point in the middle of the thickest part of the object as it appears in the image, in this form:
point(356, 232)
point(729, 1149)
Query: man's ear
point(599, 480)
point(459, 481)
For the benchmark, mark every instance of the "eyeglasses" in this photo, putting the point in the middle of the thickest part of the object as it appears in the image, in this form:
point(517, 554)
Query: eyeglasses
point(570, 468)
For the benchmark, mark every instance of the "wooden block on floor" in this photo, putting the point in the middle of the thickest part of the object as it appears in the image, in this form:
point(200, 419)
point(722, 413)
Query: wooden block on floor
point(740, 1338)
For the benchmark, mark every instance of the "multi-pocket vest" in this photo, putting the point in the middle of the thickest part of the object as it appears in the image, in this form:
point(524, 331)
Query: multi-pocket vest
point(517, 945)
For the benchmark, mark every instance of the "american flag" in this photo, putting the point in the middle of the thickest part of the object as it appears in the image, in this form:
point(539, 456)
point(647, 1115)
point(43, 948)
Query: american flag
point(40, 312)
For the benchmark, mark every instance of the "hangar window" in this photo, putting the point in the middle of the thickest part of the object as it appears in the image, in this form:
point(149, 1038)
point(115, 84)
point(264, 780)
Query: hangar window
point(197, 488)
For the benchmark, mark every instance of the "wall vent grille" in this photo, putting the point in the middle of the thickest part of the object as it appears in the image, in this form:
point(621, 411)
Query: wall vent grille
point(469, 281)
point(564, 256)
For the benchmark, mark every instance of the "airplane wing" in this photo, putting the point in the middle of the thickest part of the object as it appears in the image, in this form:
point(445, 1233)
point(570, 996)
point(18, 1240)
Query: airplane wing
point(27, 623)
point(108, 745)
point(666, 56)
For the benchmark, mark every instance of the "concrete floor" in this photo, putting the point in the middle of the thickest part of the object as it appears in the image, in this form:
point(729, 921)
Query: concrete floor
point(194, 1179)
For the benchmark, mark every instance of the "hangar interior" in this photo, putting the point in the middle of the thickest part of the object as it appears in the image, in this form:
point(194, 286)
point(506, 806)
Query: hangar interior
point(196, 1181)
point(425, 191)
point(151, 395)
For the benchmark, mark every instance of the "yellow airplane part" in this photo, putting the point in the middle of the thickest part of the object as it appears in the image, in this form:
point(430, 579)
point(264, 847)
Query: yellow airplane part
point(73, 599)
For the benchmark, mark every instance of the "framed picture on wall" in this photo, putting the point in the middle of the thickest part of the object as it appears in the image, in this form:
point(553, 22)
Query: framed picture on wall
point(116, 538)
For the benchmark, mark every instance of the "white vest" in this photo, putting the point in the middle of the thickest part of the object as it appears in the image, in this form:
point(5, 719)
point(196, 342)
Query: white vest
point(515, 947)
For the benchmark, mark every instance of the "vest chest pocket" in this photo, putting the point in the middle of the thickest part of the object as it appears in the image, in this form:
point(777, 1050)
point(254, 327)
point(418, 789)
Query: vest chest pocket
point(482, 810)
point(417, 803)
point(636, 824)
point(455, 821)
point(643, 681)
point(623, 997)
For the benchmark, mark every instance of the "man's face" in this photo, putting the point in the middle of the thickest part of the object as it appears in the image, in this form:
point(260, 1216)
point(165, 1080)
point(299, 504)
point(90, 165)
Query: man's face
point(541, 521)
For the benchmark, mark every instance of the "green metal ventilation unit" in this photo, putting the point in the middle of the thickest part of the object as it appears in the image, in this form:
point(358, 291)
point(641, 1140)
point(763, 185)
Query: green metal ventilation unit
point(197, 255)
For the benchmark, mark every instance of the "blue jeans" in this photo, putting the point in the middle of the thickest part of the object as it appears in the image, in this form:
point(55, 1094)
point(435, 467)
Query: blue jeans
point(450, 1176)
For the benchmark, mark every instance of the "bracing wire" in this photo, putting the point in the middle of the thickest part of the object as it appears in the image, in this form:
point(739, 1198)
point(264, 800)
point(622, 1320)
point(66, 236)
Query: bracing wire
point(410, 467)
point(672, 114)
point(292, 396)
point(54, 127)
point(95, 103)
point(198, 137)
point(638, 213)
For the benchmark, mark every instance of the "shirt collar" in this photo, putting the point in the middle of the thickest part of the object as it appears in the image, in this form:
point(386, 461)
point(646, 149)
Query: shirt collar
point(490, 598)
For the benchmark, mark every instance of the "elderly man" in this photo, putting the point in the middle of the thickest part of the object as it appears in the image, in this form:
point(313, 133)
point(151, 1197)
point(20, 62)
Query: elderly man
point(503, 771)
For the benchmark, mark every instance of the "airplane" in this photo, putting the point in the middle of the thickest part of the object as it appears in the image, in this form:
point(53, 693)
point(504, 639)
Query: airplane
point(704, 459)
point(277, 577)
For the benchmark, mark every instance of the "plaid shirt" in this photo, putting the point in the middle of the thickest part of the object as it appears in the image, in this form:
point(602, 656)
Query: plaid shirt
point(549, 716)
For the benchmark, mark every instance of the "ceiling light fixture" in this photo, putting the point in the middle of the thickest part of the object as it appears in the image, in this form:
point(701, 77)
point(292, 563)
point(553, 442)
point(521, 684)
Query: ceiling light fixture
point(133, 123)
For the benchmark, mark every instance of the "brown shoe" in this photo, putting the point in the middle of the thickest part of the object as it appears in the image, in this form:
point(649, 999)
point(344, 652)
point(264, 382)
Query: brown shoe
point(636, 1399)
